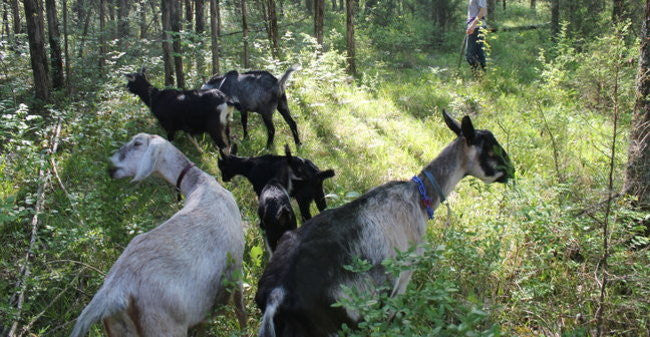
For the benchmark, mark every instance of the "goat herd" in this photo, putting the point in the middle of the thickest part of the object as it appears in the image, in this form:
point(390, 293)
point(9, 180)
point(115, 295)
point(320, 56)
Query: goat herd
point(168, 280)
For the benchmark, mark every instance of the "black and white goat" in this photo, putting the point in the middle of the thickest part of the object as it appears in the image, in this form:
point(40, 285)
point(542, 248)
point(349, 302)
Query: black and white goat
point(258, 91)
point(274, 208)
point(192, 111)
point(307, 178)
point(305, 275)
point(168, 280)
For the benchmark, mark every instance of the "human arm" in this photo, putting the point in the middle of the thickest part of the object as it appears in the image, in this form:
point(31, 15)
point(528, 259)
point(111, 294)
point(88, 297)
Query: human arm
point(481, 14)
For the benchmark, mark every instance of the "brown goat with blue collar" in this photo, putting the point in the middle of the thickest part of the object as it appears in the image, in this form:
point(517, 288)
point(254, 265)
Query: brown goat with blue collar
point(305, 276)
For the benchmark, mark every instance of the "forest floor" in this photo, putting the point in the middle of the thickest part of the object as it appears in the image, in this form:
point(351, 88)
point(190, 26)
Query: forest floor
point(524, 254)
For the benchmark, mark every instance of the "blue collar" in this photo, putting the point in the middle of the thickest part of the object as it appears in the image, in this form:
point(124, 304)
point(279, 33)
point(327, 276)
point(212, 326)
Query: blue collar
point(424, 198)
point(435, 185)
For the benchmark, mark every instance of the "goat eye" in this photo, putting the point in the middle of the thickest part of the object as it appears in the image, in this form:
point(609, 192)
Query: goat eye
point(136, 144)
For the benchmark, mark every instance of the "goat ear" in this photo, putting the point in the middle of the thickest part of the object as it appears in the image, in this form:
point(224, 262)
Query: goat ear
point(468, 130)
point(149, 160)
point(325, 174)
point(451, 123)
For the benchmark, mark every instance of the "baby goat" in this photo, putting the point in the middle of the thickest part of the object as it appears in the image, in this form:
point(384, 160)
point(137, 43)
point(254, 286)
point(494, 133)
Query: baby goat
point(192, 111)
point(306, 276)
point(258, 91)
point(307, 178)
point(168, 279)
point(275, 211)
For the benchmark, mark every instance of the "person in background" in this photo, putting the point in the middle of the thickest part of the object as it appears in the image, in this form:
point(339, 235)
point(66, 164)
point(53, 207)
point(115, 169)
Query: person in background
point(476, 11)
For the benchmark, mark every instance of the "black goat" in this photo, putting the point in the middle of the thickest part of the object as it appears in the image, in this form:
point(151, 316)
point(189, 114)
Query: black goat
point(258, 91)
point(193, 111)
point(274, 209)
point(307, 178)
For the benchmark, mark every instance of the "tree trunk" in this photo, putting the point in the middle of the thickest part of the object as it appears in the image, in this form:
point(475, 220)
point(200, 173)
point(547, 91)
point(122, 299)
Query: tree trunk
point(491, 11)
point(5, 22)
point(102, 34)
point(637, 173)
point(15, 13)
point(572, 15)
point(122, 18)
point(175, 7)
point(215, 27)
point(309, 6)
point(55, 44)
point(341, 5)
point(504, 5)
point(333, 5)
point(111, 12)
point(555, 18)
point(143, 18)
point(189, 13)
point(319, 12)
point(165, 13)
point(273, 29)
point(66, 49)
point(36, 36)
point(244, 25)
point(199, 28)
point(84, 33)
point(349, 9)
point(617, 10)
point(265, 17)
point(533, 4)
point(154, 13)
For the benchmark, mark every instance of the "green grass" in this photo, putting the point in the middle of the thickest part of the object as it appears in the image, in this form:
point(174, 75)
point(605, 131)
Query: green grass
point(506, 247)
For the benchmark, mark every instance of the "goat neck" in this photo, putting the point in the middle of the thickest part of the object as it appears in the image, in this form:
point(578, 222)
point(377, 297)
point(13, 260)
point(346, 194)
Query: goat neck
point(241, 165)
point(146, 91)
point(448, 168)
point(171, 165)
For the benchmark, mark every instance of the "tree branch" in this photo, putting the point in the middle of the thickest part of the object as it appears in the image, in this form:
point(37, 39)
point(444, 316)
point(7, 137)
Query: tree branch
point(44, 176)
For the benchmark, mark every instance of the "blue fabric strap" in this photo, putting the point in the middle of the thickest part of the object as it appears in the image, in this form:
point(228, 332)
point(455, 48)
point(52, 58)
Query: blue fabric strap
point(435, 185)
point(424, 198)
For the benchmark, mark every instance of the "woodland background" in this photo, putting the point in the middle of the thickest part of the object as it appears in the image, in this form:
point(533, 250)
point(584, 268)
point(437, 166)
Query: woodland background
point(562, 251)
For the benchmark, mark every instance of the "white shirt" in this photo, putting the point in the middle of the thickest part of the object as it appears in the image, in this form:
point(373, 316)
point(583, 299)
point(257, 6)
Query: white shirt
point(474, 7)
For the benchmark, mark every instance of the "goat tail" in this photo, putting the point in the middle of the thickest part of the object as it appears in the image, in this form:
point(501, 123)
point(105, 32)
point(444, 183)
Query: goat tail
point(287, 75)
point(275, 299)
point(101, 306)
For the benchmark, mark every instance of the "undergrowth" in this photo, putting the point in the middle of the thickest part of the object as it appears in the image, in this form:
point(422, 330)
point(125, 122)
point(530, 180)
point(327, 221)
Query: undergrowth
point(516, 260)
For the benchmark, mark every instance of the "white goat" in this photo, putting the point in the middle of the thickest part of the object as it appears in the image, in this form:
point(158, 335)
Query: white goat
point(168, 279)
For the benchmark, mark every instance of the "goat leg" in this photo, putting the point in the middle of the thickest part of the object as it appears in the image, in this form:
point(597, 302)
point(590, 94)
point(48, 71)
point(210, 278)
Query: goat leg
point(284, 111)
point(244, 122)
point(305, 212)
point(270, 129)
point(240, 309)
